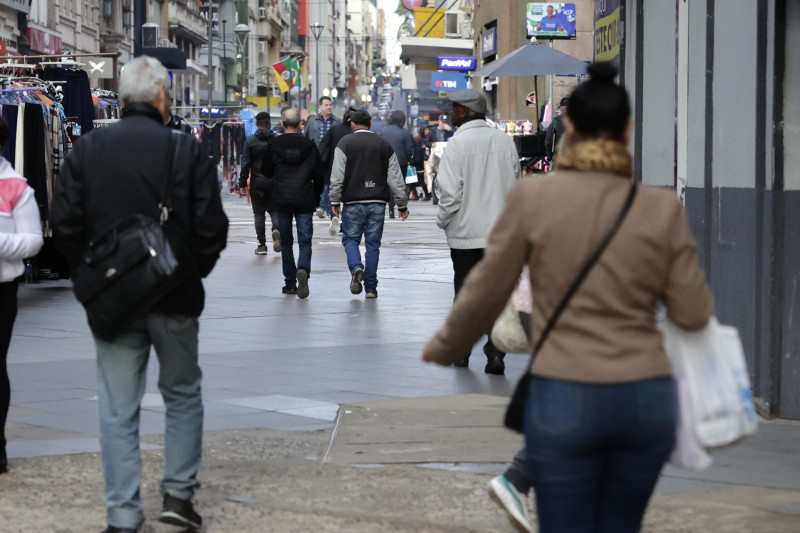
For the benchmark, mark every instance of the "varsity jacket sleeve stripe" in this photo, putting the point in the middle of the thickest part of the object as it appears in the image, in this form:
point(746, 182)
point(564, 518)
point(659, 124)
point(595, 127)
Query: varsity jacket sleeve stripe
point(337, 176)
point(397, 182)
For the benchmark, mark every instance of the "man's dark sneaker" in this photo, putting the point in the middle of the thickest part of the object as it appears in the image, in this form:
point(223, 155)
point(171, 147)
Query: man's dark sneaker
point(426, 198)
point(371, 293)
point(261, 250)
point(495, 365)
point(391, 213)
point(302, 283)
point(463, 363)
point(356, 279)
point(113, 529)
point(276, 241)
point(288, 289)
point(179, 512)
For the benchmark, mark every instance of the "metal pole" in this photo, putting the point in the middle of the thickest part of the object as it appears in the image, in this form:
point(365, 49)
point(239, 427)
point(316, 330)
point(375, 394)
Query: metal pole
point(550, 91)
point(224, 63)
point(316, 76)
point(210, 65)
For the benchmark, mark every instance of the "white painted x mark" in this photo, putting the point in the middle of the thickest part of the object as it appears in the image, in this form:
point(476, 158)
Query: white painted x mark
point(97, 66)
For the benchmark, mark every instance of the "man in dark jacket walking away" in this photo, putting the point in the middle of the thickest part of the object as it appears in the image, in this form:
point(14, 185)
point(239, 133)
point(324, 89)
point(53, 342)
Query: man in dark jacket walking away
point(316, 128)
point(259, 187)
point(293, 164)
point(402, 143)
point(365, 174)
point(328, 147)
point(113, 174)
point(555, 130)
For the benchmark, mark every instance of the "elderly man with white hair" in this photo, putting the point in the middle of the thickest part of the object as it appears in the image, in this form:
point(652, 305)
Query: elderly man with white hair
point(113, 174)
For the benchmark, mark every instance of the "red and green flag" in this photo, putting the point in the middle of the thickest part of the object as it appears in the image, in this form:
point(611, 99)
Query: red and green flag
point(287, 72)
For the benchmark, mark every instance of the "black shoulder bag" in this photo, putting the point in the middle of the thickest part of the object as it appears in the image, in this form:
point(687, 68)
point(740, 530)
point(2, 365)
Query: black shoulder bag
point(130, 267)
point(515, 414)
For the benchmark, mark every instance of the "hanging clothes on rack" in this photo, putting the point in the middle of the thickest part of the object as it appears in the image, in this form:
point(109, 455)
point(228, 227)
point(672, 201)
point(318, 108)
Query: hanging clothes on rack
point(211, 141)
point(10, 113)
point(77, 93)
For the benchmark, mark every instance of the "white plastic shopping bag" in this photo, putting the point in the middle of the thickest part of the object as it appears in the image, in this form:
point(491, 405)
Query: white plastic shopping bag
point(715, 402)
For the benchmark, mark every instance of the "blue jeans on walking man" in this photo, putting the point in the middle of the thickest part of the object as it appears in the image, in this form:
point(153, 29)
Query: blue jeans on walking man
point(121, 376)
point(325, 200)
point(305, 230)
point(363, 220)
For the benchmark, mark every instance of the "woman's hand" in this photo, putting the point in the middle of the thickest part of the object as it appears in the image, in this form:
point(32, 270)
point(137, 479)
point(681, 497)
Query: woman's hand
point(435, 352)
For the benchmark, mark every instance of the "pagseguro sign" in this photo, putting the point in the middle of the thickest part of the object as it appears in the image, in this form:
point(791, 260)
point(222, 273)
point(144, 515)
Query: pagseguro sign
point(457, 63)
point(447, 81)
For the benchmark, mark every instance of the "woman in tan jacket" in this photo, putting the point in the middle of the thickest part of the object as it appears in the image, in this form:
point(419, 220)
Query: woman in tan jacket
point(600, 418)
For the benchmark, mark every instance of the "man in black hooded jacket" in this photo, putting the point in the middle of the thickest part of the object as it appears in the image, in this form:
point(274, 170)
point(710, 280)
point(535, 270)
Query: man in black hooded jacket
point(293, 164)
point(251, 177)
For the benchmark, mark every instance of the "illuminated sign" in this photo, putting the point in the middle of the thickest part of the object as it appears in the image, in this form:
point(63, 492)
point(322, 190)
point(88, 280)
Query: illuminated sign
point(457, 63)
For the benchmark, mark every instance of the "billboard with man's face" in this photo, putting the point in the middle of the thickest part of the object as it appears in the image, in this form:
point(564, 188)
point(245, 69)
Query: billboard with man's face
point(550, 20)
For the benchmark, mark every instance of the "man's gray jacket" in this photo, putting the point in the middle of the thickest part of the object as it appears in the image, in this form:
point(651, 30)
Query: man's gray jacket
point(478, 168)
point(313, 128)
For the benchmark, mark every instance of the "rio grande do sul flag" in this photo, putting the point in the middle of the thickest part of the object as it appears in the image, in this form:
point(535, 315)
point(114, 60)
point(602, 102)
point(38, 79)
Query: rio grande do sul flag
point(286, 71)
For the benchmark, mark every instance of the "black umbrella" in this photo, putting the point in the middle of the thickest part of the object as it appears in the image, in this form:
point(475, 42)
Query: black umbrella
point(534, 59)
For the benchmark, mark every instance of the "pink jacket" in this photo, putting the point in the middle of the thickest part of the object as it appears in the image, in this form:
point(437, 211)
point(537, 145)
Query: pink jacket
point(20, 226)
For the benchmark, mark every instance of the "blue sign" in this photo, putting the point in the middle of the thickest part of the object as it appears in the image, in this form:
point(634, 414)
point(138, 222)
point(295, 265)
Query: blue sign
point(489, 42)
point(458, 63)
point(447, 81)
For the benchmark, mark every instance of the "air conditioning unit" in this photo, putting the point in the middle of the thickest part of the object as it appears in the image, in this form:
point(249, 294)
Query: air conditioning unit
point(262, 13)
point(262, 47)
point(453, 23)
point(165, 43)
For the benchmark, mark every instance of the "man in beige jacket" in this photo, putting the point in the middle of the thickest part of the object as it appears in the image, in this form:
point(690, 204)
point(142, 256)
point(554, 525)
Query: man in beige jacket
point(478, 168)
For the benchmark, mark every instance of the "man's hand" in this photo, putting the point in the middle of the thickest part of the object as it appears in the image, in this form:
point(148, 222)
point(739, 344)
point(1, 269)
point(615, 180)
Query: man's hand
point(403, 214)
point(336, 210)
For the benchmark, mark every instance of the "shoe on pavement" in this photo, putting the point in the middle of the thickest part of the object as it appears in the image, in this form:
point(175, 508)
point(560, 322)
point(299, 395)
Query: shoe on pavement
point(261, 250)
point(302, 283)
point(426, 198)
point(495, 365)
point(334, 227)
point(288, 289)
point(114, 529)
point(413, 196)
point(356, 279)
point(391, 213)
point(463, 363)
point(512, 502)
point(320, 212)
point(179, 512)
point(276, 241)
point(371, 293)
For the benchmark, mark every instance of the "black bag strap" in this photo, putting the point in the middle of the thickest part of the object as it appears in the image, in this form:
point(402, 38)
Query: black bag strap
point(165, 205)
point(585, 270)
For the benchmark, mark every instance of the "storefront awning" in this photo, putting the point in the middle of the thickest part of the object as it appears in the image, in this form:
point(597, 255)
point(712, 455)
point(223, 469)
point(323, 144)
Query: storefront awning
point(193, 68)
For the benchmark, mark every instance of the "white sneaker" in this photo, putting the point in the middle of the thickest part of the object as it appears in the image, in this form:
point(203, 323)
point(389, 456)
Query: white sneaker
point(334, 227)
point(320, 212)
point(512, 502)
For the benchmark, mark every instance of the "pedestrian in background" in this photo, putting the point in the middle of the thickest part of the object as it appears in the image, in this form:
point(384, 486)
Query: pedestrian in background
point(20, 238)
point(252, 180)
point(365, 173)
point(113, 174)
point(329, 144)
point(292, 163)
point(402, 143)
point(555, 130)
point(316, 128)
point(478, 168)
point(377, 124)
point(600, 415)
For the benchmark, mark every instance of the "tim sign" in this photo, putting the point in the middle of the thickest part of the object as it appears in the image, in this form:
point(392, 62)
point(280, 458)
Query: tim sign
point(457, 63)
point(446, 82)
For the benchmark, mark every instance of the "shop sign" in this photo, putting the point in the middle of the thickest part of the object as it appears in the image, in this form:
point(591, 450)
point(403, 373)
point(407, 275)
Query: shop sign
point(530, 100)
point(489, 42)
point(608, 31)
point(98, 67)
point(457, 63)
point(23, 6)
point(448, 82)
point(43, 42)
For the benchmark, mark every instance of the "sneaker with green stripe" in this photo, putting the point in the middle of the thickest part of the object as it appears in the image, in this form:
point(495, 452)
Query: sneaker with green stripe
point(512, 502)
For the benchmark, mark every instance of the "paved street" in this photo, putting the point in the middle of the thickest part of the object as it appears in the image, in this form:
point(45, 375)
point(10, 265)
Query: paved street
point(319, 413)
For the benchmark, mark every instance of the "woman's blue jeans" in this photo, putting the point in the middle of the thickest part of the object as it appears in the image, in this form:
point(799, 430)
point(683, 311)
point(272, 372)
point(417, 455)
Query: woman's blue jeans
point(595, 451)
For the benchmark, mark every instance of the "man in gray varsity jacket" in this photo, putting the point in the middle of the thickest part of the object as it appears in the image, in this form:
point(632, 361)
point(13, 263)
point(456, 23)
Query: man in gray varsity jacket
point(365, 173)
